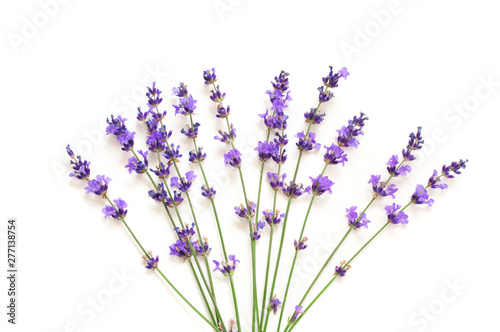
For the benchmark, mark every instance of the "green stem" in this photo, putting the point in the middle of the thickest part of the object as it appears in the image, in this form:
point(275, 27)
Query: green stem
point(160, 272)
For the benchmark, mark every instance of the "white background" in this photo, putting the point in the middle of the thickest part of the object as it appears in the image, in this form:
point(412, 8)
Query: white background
point(67, 66)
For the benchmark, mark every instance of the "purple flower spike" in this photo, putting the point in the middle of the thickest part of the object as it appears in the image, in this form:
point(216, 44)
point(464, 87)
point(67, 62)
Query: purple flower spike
point(421, 196)
point(116, 126)
point(395, 217)
point(355, 221)
point(226, 268)
point(324, 94)
point(335, 155)
point(314, 117)
point(152, 263)
point(331, 80)
point(177, 199)
point(172, 153)
point(81, 169)
point(217, 96)
point(137, 165)
point(186, 106)
point(191, 132)
point(242, 211)
point(184, 183)
point(160, 194)
point(298, 311)
point(202, 249)
point(347, 135)
point(307, 143)
point(98, 186)
point(195, 157)
point(256, 227)
point(227, 137)
point(300, 245)
point(162, 171)
point(209, 76)
point(293, 190)
point(273, 219)
point(142, 116)
point(233, 158)
point(454, 167)
point(223, 112)
point(186, 233)
point(415, 143)
point(435, 181)
point(380, 189)
point(273, 304)
point(153, 95)
point(180, 249)
point(208, 192)
point(266, 150)
point(180, 91)
point(118, 212)
point(342, 269)
point(320, 185)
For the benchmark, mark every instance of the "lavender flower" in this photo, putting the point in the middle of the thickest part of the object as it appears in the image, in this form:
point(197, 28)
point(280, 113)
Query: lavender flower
point(208, 192)
point(276, 180)
point(380, 189)
point(334, 155)
point(217, 96)
point(209, 76)
point(331, 80)
point(162, 171)
point(98, 186)
point(392, 167)
point(273, 219)
point(152, 263)
point(160, 194)
point(199, 156)
point(142, 116)
point(355, 221)
point(116, 126)
point(314, 117)
point(137, 165)
point(273, 304)
point(300, 245)
point(347, 135)
point(184, 183)
point(156, 141)
point(227, 137)
point(187, 233)
point(395, 217)
point(320, 185)
point(281, 82)
point(233, 158)
point(307, 142)
point(280, 141)
point(202, 248)
point(222, 112)
point(266, 150)
point(191, 132)
point(153, 95)
point(256, 227)
point(324, 94)
point(175, 200)
point(226, 268)
point(180, 91)
point(342, 269)
point(453, 167)
point(118, 212)
point(81, 169)
point(186, 106)
point(172, 153)
point(435, 181)
point(180, 249)
point(298, 311)
point(415, 143)
point(293, 190)
point(421, 196)
point(242, 211)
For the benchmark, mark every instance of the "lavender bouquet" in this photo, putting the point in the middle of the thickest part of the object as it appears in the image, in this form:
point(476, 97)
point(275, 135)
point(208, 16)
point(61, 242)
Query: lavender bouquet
point(159, 163)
